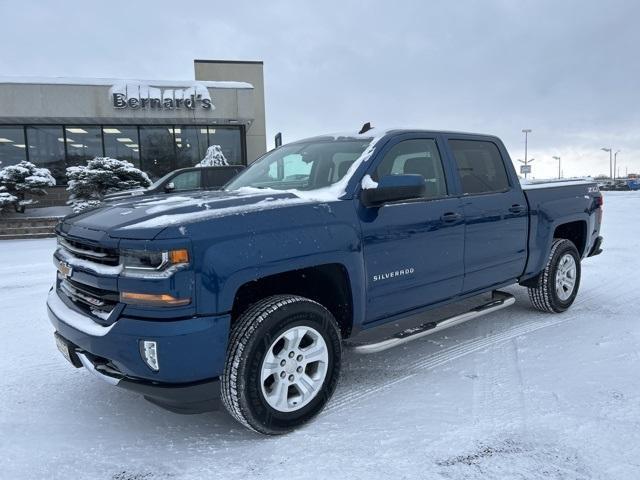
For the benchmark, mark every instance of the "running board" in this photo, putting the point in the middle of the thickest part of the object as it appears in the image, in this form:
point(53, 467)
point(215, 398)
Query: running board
point(500, 300)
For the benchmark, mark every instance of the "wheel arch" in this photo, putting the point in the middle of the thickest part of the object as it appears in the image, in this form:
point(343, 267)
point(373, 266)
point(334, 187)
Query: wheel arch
point(328, 284)
point(576, 232)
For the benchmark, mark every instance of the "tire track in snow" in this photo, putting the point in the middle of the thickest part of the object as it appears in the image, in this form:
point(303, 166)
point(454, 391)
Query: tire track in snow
point(355, 394)
point(347, 399)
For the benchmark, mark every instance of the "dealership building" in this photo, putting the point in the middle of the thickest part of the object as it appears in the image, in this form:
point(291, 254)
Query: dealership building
point(158, 125)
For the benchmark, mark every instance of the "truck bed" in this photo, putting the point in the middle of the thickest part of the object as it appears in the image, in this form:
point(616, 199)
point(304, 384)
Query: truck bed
point(571, 203)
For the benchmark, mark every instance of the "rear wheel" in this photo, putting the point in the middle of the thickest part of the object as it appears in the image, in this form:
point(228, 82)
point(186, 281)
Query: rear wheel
point(557, 285)
point(283, 364)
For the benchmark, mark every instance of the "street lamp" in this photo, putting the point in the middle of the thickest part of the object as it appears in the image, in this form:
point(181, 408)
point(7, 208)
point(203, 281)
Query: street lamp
point(526, 132)
point(559, 170)
point(526, 162)
point(610, 161)
point(615, 163)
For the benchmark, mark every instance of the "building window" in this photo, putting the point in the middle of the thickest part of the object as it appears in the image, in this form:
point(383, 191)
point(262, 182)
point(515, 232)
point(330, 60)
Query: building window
point(229, 139)
point(191, 145)
point(157, 150)
point(122, 143)
point(13, 148)
point(83, 143)
point(46, 149)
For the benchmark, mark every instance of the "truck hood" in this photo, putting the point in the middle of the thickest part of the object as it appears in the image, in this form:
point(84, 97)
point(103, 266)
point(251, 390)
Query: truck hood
point(143, 218)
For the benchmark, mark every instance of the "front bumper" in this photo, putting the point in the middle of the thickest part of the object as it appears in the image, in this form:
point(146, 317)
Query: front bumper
point(191, 354)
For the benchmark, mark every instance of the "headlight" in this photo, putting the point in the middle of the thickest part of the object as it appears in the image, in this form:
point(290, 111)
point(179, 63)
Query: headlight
point(153, 263)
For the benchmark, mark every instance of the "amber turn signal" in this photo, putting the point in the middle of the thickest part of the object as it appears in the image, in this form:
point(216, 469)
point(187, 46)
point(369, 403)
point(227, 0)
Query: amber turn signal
point(160, 300)
point(179, 256)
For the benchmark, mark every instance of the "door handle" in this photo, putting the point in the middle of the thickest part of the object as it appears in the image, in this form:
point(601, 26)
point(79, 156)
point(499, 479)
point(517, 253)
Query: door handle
point(517, 208)
point(450, 217)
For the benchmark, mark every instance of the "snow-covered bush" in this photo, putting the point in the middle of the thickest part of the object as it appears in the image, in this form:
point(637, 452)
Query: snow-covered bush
point(213, 158)
point(88, 184)
point(6, 199)
point(21, 179)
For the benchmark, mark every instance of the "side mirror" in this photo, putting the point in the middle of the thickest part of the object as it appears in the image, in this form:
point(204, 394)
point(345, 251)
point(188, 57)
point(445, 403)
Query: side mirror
point(170, 187)
point(393, 188)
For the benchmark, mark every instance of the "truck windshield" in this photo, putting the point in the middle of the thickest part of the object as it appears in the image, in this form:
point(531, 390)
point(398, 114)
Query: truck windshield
point(302, 166)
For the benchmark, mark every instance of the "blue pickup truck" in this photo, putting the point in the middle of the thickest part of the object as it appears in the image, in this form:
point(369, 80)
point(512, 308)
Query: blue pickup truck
point(248, 295)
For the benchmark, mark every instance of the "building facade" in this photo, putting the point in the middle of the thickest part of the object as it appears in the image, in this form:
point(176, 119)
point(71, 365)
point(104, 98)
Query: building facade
point(156, 125)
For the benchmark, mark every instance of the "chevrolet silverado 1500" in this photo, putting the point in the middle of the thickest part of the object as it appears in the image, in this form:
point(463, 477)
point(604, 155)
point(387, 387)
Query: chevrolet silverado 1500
point(249, 294)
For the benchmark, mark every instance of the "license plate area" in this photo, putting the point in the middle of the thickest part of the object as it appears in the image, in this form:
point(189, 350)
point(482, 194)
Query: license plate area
point(68, 350)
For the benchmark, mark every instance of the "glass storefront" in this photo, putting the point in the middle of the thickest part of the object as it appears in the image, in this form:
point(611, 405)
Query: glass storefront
point(122, 143)
point(230, 142)
point(191, 145)
point(155, 149)
point(45, 148)
point(83, 143)
point(13, 148)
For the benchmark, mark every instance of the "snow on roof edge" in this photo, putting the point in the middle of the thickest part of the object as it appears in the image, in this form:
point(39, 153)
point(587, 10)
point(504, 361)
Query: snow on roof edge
point(113, 81)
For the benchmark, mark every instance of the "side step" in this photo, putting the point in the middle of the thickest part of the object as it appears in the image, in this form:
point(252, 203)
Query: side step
point(499, 301)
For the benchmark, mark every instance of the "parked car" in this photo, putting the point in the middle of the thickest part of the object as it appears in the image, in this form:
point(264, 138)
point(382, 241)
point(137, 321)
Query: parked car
point(249, 294)
point(184, 180)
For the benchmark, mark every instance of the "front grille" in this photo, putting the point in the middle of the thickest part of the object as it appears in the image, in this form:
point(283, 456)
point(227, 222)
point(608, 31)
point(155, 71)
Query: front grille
point(87, 251)
point(96, 301)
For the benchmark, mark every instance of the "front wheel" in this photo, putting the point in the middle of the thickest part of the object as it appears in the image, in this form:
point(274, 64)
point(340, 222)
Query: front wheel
point(557, 285)
point(283, 364)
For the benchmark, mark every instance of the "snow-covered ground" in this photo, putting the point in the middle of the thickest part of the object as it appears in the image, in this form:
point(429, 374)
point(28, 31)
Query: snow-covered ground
point(518, 394)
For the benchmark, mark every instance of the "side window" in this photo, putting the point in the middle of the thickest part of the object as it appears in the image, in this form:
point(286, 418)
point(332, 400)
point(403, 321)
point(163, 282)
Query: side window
point(187, 181)
point(417, 157)
point(216, 177)
point(480, 166)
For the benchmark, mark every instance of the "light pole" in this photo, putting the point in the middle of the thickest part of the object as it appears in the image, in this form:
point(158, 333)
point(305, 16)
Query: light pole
point(526, 132)
point(559, 169)
point(610, 161)
point(615, 163)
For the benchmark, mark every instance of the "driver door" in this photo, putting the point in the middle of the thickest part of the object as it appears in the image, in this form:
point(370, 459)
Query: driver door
point(413, 250)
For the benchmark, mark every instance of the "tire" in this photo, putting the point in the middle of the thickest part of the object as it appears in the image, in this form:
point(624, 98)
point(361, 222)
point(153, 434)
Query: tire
point(265, 335)
point(552, 293)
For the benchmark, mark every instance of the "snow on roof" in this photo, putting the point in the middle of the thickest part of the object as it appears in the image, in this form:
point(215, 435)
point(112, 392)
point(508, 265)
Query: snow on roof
point(112, 81)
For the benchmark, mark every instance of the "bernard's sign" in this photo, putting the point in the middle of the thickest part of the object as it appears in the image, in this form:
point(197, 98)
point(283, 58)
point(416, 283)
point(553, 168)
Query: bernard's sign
point(136, 96)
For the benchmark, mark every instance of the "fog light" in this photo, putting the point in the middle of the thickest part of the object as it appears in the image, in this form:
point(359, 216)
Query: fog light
point(149, 352)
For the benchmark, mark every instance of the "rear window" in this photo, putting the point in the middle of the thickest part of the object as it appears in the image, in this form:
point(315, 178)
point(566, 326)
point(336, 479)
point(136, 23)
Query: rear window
point(480, 166)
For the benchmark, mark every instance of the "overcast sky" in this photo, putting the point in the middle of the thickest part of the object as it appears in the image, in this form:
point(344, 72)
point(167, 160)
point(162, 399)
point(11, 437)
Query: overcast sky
point(570, 71)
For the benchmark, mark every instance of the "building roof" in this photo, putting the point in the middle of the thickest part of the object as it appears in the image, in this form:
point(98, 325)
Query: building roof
point(111, 81)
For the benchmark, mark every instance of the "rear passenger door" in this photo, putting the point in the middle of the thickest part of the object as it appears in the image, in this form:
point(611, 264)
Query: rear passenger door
point(495, 211)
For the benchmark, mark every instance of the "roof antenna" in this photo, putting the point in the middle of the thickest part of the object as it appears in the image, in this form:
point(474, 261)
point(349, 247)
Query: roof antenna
point(365, 128)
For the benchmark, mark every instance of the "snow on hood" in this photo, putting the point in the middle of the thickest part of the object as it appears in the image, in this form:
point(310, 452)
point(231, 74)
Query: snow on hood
point(146, 217)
